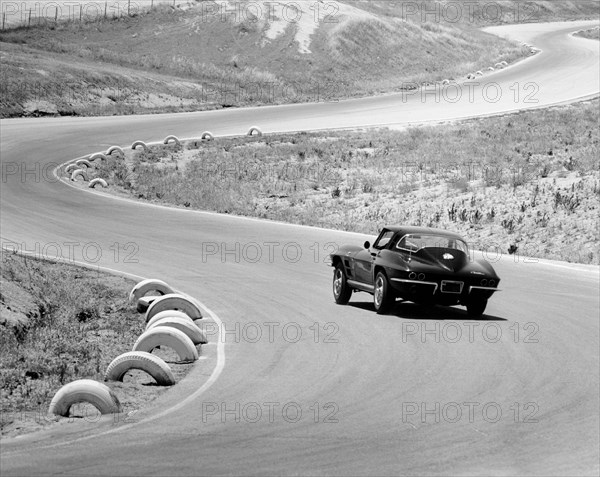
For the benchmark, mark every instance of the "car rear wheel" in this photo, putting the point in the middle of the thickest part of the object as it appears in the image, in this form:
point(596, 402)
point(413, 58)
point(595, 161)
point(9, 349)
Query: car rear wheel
point(341, 291)
point(383, 297)
point(476, 307)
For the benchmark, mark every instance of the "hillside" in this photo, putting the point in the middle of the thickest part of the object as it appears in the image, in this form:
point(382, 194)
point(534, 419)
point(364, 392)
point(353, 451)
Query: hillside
point(208, 55)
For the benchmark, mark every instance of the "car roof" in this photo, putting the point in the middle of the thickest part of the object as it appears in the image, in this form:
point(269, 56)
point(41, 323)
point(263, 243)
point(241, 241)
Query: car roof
point(422, 230)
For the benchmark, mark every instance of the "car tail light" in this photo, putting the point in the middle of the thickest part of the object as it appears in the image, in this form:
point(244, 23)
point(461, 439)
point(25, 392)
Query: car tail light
point(484, 282)
point(412, 275)
point(421, 276)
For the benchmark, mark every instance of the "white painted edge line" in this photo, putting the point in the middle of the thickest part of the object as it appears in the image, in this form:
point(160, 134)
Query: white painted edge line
point(202, 389)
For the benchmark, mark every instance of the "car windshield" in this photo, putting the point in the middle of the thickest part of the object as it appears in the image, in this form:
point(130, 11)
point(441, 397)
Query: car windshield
point(416, 242)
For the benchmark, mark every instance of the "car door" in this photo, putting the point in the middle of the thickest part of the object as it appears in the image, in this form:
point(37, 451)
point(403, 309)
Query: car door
point(363, 266)
point(365, 259)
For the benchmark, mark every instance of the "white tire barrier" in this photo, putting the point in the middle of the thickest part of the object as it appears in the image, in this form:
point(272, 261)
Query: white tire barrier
point(151, 364)
point(504, 63)
point(167, 336)
point(79, 172)
point(471, 76)
point(167, 314)
point(96, 181)
point(491, 68)
point(186, 325)
point(145, 286)
point(499, 65)
point(446, 81)
point(115, 149)
point(83, 162)
point(70, 168)
point(175, 301)
point(84, 390)
point(175, 139)
point(144, 303)
point(139, 143)
point(98, 155)
point(479, 73)
point(207, 136)
point(255, 129)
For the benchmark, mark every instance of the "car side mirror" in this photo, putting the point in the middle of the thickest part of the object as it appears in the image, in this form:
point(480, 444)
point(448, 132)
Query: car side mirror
point(367, 245)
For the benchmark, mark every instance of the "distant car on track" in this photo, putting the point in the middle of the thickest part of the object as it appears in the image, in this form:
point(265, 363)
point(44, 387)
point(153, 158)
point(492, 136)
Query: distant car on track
point(418, 264)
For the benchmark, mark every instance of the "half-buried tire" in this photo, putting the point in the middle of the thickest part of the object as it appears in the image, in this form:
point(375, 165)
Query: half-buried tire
point(83, 162)
point(115, 149)
point(97, 155)
point(84, 390)
point(167, 314)
point(255, 129)
point(96, 181)
point(182, 324)
point(151, 364)
point(150, 284)
point(79, 172)
point(167, 336)
point(175, 301)
point(175, 139)
point(139, 143)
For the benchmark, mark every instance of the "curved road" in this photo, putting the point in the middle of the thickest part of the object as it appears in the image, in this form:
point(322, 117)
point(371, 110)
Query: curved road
point(325, 389)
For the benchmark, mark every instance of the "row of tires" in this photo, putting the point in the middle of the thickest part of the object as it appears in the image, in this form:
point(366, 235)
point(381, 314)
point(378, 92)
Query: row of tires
point(532, 49)
point(470, 76)
point(80, 168)
point(169, 318)
point(205, 136)
point(76, 169)
point(497, 66)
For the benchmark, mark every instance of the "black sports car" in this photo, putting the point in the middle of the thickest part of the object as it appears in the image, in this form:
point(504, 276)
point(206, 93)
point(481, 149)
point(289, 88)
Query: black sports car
point(417, 264)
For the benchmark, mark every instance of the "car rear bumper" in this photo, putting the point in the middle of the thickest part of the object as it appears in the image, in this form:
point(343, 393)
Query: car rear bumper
point(433, 291)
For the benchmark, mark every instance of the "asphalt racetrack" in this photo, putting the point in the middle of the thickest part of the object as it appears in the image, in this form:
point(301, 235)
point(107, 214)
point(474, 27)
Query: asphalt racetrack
point(302, 386)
